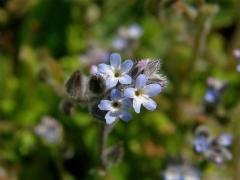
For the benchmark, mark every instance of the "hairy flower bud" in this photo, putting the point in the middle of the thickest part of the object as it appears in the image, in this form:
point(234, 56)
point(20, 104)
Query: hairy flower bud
point(76, 86)
point(67, 107)
point(97, 84)
point(113, 154)
point(152, 67)
point(97, 113)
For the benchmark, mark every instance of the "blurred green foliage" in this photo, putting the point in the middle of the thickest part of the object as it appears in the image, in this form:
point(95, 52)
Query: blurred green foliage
point(40, 46)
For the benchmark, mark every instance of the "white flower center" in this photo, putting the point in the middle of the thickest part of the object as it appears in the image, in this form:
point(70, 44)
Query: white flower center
point(117, 74)
point(138, 92)
point(115, 104)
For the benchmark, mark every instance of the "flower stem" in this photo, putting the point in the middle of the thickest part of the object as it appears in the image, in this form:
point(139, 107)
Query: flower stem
point(104, 132)
point(103, 140)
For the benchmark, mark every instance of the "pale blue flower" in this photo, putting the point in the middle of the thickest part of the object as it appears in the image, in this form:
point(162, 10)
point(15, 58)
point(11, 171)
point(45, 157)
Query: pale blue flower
point(116, 72)
point(133, 32)
point(211, 96)
point(120, 43)
point(117, 107)
point(201, 143)
point(224, 139)
point(141, 94)
point(49, 130)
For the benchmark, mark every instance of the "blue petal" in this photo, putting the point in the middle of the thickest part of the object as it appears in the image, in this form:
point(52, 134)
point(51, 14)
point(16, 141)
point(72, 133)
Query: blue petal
point(225, 139)
point(149, 104)
point(141, 81)
point(125, 79)
point(115, 94)
point(120, 43)
point(111, 82)
point(211, 96)
point(115, 60)
point(201, 144)
point(129, 92)
point(126, 103)
point(126, 116)
point(104, 68)
point(126, 66)
point(137, 105)
point(110, 118)
point(105, 105)
point(152, 89)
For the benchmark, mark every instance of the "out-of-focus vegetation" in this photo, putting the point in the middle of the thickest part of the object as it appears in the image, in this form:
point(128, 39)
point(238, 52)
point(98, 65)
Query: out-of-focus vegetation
point(43, 41)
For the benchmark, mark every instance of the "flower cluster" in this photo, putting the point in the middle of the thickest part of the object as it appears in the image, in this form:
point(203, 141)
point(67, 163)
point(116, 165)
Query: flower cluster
point(236, 54)
point(128, 84)
point(127, 36)
point(214, 149)
point(214, 91)
point(49, 130)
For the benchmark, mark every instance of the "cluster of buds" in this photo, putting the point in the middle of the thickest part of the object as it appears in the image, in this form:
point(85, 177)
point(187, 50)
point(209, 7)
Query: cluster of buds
point(213, 149)
point(116, 87)
point(236, 54)
point(127, 36)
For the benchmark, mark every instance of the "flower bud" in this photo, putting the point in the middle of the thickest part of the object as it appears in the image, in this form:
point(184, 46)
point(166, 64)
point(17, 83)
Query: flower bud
point(66, 107)
point(113, 155)
point(97, 84)
point(76, 86)
point(97, 113)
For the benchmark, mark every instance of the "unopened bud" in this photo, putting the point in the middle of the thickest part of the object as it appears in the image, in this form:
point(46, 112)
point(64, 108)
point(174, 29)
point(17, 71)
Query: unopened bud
point(158, 79)
point(202, 131)
point(97, 113)
point(113, 155)
point(97, 84)
point(66, 107)
point(152, 67)
point(76, 86)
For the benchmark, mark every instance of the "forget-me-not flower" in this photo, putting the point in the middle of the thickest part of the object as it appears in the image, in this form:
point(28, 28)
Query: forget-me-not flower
point(116, 72)
point(201, 143)
point(117, 107)
point(141, 94)
point(224, 139)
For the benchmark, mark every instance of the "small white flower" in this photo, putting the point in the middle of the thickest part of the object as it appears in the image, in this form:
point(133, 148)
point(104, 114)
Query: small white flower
point(117, 107)
point(141, 94)
point(116, 72)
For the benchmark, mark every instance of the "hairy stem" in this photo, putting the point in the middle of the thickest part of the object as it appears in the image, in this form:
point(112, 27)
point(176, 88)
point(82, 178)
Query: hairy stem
point(104, 132)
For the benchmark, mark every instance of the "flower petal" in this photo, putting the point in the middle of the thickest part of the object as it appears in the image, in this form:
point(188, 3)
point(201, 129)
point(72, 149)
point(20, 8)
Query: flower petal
point(104, 69)
point(152, 89)
point(110, 118)
point(126, 116)
point(125, 79)
point(137, 105)
point(105, 105)
point(141, 81)
point(129, 92)
point(126, 103)
point(149, 104)
point(225, 139)
point(115, 60)
point(111, 82)
point(115, 94)
point(126, 66)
